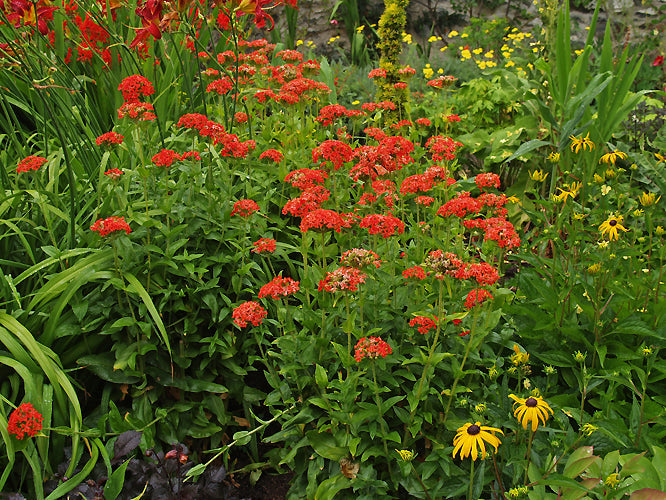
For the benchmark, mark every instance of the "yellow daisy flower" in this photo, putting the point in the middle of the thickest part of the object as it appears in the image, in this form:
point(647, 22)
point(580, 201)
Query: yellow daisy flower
point(581, 142)
point(611, 225)
point(406, 455)
point(612, 157)
point(470, 437)
point(538, 175)
point(648, 199)
point(519, 358)
point(532, 409)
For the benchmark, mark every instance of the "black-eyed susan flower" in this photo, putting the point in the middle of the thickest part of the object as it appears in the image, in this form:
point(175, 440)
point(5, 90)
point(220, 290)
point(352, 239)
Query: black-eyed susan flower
point(538, 176)
point(612, 157)
point(581, 142)
point(533, 409)
point(553, 157)
point(472, 437)
point(611, 226)
point(659, 158)
point(648, 199)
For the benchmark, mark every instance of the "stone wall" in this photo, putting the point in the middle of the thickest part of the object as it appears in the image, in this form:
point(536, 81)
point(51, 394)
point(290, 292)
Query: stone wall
point(314, 22)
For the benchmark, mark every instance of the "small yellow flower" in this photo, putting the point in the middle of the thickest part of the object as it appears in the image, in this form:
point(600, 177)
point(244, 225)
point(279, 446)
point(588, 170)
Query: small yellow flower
point(638, 212)
point(594, 268)
point(519, 358)
point(610, 173)
point(406, 455)
point(492, 372)
point(553, 157)
point(589, 429)
point(469, 437)
point(660, 230)
point(648, 199)
point(513, 199)
point(480, 408)
point(538, 176)
point(612, 157)
point(646, 351)
point(579, 356)
point(574, 187)
point(579, 216)
point(531, 410)
point(660, 158)
point(613, 480)
point(605, 190)
point(464, 35)
point(599, 179)
point(550, 370)
point(581, 142)
point(536, 392)
point(432, 39)
point(477, 51)
point(521, 491)
point(611, 225)
point(453, 33)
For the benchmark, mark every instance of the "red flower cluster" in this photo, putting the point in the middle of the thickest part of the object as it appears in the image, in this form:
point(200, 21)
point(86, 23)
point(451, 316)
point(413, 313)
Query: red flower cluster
point(220, 86)
point(377, 72)
point(109, 139)
point(442, 81)
point(135, 87)
point(495, 202)
point(138, 111)
point(416, 272)
point(279, 287)
point(360, 258)
point(387, 225)
point(424, 200)
point(337, 152)
point(424, 323)
point(416, 183)
point(25, 421)
point(165, 158)
point(496, 229)
point(111, 225)
point(244, 208)
point(306, 178)
point(322, 220)
point(487, 180)
point(309, 200)
point(328, 114)
point(114, 173)
point(476, 297)
point(271, 154)
point(241, 117)
point(343, 278)
point(442, 148)
point(423, 122)
point(264, 245)
point(371, 347)
point(483, 273)
point(461, 206)
point(30, 163)
point(249, 312)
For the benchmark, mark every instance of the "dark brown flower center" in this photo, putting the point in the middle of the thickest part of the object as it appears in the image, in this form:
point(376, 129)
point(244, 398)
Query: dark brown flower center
point(613, 222)
point(531, 402)
point(473, 430)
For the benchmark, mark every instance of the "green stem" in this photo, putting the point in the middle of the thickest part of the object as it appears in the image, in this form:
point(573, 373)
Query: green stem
point(471, 482)
point(462, 365)
point(529, 455)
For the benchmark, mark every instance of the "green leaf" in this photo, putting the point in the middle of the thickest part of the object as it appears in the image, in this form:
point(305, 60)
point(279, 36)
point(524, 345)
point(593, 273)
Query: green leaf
point(320, 377)
point(114, 484)
point(330, 487)
point(242, 437)
point(527, 147)
point(138, 288)
point(77, 479)
point(648, 494)
point(325, 445)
